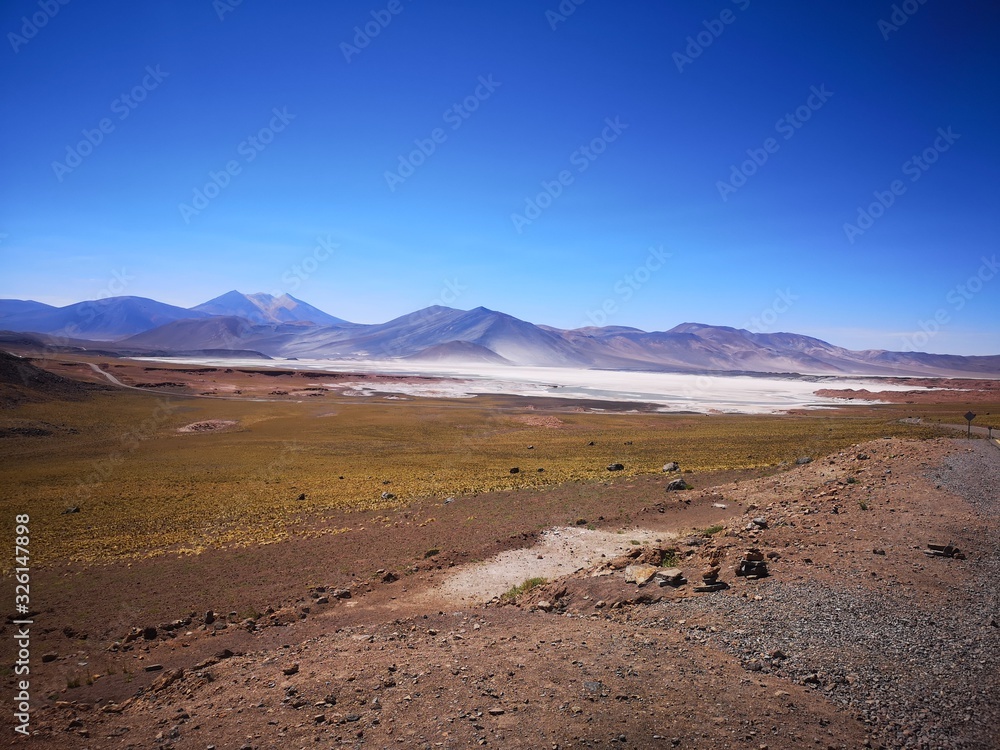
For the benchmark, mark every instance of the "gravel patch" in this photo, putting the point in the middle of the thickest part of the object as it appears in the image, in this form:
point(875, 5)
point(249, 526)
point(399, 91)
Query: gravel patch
point(921, 674)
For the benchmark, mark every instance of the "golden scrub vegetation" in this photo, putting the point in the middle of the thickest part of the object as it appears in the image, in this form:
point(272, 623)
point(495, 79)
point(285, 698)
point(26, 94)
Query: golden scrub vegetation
point(141, 487)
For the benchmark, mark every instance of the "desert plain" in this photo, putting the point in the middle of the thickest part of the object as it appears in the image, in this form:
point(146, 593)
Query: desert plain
point(259, 556)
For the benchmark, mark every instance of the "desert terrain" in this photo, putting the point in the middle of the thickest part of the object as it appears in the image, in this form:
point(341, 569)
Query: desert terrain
point(246, 557)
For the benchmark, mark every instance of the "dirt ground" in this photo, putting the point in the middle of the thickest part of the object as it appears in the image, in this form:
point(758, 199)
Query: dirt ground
point(395, 635)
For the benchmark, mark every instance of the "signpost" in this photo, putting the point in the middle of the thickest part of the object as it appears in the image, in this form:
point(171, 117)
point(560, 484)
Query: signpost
point(969, 416)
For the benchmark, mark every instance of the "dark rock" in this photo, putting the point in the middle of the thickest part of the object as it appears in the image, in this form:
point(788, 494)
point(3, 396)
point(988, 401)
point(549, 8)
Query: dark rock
point(803, 460)
point(290, 670)
point(615, 467)
point(149, 633)
point(515, 470)
point(677, 485)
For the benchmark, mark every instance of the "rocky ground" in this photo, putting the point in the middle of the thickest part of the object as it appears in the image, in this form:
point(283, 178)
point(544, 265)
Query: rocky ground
point(855, 638)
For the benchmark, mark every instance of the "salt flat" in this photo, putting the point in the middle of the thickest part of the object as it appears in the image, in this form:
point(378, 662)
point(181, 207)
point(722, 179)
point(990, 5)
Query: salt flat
point(731, 394)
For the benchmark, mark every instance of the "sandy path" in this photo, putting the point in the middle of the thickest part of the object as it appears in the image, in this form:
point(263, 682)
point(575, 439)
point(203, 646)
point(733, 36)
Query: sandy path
point(559, 552)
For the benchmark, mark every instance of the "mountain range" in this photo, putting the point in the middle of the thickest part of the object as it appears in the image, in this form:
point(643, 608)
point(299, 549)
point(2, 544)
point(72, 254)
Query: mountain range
point(290, 328)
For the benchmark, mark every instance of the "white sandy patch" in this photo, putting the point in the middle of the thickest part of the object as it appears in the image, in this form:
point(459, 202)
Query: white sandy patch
point(559, 552)
point(737, 394)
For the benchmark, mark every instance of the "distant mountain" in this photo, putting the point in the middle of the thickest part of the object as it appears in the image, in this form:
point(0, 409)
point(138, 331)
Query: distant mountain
point(265, 308)
point(287, 327)
point(18, 306)
point(459, 352)
point(98, 320)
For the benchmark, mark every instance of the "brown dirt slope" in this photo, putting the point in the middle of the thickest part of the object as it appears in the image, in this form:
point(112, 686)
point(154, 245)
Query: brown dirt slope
point(857, 638)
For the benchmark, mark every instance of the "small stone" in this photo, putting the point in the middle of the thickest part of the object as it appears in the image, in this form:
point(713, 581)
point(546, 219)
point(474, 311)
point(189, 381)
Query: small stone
point(615, 467)
point(544, 606)
point(677, 485)
point(639, 574)
point(515, 470)
point(149, 633)
point(671, 466)
point(803, 460)
point(290, 670)
point(154, 667)
point(760, 522)
point(497, 712)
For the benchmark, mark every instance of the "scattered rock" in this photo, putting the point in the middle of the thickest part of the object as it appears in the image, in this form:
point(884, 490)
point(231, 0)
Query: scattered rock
point(670, 577)
point(290, 670)
point(154, 667)
point(760, 522)
point(944, 550)
point(752, 566)
point(149, 633)
point(615, 467)
point(803, 460)
point(677, 484)
point(515, 470)
point(388, 496)
point(543, 605)
point(639, 574)
point(671, 466)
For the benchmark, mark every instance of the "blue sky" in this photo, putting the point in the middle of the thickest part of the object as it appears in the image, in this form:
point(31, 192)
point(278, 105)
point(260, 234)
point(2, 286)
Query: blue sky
point(628, 163)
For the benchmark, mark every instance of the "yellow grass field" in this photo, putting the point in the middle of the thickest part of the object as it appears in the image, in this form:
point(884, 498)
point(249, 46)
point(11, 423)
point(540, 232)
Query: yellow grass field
point(144, 488)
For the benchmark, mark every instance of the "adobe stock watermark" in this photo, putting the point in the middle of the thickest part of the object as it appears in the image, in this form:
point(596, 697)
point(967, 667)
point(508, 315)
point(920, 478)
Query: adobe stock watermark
point(455, 116)
point(764, 322)
point(901, 13)
point(250, 148)
point(915, 167)
point(308, 265)
point(224, 7)
point(786, 126)
point(957, 298)
point(364, 33)
point(30, 26)
point(581, 158)
point(704, 39)
point(122, 106)
point(626, 287)
point(562, 12)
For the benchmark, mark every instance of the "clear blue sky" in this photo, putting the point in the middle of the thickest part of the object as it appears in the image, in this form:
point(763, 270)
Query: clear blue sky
point(772, 249)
